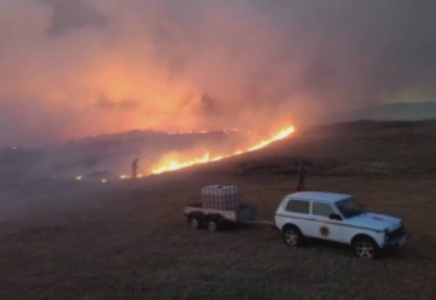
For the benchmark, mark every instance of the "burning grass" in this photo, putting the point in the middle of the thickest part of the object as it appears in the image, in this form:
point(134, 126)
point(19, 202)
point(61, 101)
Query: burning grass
point(170, 164)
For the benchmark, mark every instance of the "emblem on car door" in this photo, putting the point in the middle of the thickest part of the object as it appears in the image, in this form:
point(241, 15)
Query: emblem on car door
point(324, 231)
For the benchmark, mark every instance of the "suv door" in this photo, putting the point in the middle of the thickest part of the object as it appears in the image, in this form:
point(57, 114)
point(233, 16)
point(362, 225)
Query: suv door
point(322, 226)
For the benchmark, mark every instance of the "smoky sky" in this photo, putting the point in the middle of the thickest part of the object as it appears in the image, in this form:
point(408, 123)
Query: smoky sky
point(75, 68)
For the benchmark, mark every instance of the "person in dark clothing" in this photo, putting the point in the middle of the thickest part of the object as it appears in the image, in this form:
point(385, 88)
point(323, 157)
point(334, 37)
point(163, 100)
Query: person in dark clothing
point(135, 168)
point(301, 176)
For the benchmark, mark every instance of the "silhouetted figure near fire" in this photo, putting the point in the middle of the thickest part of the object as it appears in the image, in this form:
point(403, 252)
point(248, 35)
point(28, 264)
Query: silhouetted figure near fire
point(135, 168)
point(301, 175)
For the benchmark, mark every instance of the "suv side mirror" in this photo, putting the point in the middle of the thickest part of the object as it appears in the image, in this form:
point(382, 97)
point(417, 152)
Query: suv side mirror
point(335, 217)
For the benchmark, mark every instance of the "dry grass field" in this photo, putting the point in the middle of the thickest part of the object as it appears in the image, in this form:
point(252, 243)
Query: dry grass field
point(129, 240)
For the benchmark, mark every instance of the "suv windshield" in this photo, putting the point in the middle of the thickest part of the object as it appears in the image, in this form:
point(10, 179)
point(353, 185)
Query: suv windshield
point(349, 208)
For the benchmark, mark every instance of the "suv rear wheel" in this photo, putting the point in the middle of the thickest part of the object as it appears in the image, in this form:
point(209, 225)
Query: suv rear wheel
point(292, 236)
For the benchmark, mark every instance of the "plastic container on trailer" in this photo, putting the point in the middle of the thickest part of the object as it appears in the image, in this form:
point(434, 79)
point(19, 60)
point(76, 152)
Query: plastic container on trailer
point(220, 197)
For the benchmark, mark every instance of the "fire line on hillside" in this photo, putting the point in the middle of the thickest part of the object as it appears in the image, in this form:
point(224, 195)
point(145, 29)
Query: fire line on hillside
point(169, 165)
point(173, 165)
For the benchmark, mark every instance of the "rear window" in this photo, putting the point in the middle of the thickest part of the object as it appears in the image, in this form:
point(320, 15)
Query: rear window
point(298, 206)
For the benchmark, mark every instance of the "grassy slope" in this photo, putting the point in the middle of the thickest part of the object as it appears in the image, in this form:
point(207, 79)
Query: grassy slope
point(130, 241)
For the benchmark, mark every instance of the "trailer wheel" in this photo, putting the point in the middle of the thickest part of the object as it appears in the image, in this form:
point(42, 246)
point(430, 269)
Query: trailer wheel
point(212, 226)
point(194, 223)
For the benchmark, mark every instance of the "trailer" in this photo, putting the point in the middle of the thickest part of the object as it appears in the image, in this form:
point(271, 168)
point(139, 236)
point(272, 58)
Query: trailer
point(219, 205)
point(213, 219)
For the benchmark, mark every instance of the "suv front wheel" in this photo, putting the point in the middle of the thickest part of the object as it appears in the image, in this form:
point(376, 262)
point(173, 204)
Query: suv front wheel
point(365, 248)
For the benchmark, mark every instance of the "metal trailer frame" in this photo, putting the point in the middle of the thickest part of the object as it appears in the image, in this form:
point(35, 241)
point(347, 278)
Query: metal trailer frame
point(241, 214)
point(198, 216)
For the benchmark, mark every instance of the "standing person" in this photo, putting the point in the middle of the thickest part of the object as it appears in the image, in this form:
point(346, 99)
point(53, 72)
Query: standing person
point(301, 175)
point(135, 168)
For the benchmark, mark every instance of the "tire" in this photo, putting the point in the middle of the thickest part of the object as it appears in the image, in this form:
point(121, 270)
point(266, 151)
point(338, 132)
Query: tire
point(212, 226)
point(365, 248)
point(194, 223)
point(292, 236)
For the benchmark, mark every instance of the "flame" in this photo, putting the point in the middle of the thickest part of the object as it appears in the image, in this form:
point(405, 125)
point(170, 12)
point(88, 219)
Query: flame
point(124, 176)
point(173, 165)
point(79, 178)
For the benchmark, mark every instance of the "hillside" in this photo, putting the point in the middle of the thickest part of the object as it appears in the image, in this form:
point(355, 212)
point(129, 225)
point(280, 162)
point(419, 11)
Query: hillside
point(355, 149)
point(389, 112)
point(109, 156)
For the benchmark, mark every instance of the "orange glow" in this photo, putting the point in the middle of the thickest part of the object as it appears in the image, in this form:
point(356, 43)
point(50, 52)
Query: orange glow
point(172, 164)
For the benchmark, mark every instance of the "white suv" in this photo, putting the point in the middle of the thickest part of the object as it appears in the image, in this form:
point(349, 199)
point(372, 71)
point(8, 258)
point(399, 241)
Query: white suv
point(337, 217)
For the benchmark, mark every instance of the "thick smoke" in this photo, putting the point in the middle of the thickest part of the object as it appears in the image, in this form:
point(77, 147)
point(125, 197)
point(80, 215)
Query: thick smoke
point(76, 68)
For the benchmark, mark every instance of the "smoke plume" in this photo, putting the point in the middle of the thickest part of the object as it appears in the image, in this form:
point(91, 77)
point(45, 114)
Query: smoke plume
point(75, 68)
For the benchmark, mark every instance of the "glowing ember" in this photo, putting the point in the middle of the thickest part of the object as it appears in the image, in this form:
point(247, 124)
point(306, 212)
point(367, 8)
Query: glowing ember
point(79, 178)
point(103, 180)
point(173, 165)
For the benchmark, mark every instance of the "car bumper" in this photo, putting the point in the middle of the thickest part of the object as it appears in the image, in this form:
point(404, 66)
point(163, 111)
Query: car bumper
point(397, 243)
